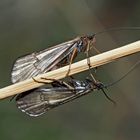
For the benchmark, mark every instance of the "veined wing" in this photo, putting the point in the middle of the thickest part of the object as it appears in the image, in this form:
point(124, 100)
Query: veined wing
point(39, 101)
point(41, 62)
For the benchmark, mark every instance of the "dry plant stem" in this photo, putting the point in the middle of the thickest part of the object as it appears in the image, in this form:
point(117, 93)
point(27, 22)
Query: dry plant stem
point(77, 67)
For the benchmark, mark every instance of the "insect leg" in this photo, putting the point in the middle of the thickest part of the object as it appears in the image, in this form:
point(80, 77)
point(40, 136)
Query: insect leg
point(88, 63)
point(12, 97)
point(93, 43)
point(96, 50)
point(71, 60)
point(59, 82)
point(43, 82)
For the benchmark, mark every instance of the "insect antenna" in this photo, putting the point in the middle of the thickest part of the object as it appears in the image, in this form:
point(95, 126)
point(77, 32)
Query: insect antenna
point(117, 29)
point(128, 72)
point(101, 86)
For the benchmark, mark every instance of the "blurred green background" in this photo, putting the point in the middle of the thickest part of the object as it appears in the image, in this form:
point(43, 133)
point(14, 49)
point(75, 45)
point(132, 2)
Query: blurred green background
point(32, 25)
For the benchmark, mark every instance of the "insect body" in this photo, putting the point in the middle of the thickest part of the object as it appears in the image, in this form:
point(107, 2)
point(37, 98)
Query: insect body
point(38, 101)
point(49, 59)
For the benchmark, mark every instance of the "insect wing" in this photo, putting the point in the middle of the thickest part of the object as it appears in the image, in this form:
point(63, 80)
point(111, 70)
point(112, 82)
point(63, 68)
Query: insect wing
point(39, 101)
point(37, 63)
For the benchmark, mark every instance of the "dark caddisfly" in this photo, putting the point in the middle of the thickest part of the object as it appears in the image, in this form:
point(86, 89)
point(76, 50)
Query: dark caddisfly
point(38, 101)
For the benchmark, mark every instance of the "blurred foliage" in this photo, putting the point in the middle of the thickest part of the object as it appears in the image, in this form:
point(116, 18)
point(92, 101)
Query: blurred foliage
point(32, 25)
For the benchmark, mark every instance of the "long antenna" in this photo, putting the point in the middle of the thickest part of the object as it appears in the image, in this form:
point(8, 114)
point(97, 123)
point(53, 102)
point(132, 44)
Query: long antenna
point(128, 72)
point(102, 86)
point(134, 66)
point(117, 29)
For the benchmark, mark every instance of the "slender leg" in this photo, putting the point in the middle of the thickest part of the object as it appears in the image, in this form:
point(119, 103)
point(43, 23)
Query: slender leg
point(44, 82)
point(97, 51)
point(61, 83)
point(12, 97)
point(71, 60)
point(98, 85)
point(88, 63)
point(94, 45)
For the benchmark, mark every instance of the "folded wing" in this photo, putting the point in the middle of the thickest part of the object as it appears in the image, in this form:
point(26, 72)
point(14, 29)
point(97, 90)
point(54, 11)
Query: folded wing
point(36, 63)
point(39, 101)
